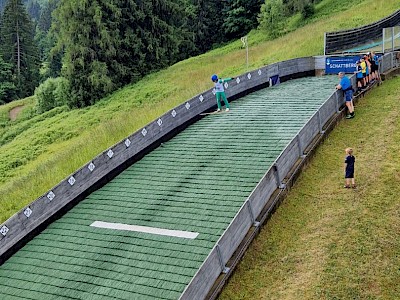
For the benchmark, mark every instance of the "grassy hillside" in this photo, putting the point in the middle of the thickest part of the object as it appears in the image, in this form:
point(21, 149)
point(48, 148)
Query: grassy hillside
point(327, 242)
point(38, 151)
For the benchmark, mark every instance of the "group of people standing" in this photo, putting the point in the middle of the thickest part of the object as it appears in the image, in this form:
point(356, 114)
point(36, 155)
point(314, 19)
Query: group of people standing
point(367, 71)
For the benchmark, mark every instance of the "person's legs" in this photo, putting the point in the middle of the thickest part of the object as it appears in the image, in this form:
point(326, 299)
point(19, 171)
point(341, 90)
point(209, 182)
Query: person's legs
point(377, 75)
point(347, 182)
point(360, 84)
point(225, 100)
point(372, 74)
point(349, 104)
point(352, 109)
point(349, 108)
point(218, 96)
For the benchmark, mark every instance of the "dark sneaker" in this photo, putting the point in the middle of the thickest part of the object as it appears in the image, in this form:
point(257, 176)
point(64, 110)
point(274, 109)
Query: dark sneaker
point(349, 117)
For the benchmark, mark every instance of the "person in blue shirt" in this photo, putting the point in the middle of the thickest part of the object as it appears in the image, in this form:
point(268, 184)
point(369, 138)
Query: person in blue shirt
point(375, 66)
point(359, 76)
point(220, 91)
point(346, 87)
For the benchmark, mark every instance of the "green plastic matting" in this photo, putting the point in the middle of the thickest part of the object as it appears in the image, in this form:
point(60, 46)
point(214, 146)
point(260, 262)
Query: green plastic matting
point(196, 182)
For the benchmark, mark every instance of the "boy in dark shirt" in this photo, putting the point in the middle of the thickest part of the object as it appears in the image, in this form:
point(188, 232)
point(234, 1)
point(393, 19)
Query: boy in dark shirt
point(349, 169)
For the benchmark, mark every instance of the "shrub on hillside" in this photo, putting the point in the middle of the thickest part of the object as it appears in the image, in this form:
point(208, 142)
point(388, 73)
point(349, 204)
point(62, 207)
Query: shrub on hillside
point(308, 11)
point(52, 93)
point(271, 17)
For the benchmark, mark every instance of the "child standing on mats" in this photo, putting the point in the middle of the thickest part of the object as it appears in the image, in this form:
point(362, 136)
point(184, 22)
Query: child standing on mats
point(220, 91)
point(349, 169)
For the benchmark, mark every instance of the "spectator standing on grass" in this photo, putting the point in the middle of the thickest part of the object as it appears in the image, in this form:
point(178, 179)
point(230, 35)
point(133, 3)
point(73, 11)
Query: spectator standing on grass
point(346, 87)
point(220, 91)
point(349, 169)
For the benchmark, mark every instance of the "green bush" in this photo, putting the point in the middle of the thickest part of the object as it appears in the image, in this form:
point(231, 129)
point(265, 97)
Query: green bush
point(52, 93)
point(61, 93)
point(308, 11)
point(271, 17)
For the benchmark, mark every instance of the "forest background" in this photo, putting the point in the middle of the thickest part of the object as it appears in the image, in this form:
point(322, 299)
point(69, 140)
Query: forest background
point(75, 52)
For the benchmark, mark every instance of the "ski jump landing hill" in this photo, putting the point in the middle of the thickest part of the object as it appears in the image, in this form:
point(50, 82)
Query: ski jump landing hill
point(167, 212)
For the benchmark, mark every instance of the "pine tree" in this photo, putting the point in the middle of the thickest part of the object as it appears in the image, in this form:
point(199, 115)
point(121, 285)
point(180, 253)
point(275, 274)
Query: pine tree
point(2, 5)
point(17, 47)
point(51, 61)
point(7, 87)
point(161, 31)
point(240, 16)
point(109, 43)
point(45, 19)
point(87, 42)
point(205, 21)
point(33, 9)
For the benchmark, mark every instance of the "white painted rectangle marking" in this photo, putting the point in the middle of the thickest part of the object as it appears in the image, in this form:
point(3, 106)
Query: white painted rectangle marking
point(145, 229)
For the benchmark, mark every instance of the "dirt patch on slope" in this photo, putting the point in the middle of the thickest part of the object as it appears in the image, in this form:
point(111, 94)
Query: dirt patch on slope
point(14, 112)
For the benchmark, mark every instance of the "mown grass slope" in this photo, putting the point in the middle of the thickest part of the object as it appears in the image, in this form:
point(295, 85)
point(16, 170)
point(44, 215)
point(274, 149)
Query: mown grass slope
point(327, 242)
point(38, 151)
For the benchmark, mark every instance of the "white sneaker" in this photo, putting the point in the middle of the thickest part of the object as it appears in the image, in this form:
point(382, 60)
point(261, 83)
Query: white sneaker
point(227, 109)
point(218, 110)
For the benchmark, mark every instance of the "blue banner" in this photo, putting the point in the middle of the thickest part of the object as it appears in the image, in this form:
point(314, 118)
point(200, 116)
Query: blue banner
point(347, 64)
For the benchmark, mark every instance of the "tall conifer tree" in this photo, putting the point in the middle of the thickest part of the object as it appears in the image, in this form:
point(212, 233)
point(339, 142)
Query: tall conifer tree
point(7, 87)
point(33, 9)
point(109, 43)
point(240, 16)
point(205, 21)
point(46, 41)
point(87, 41)
point(17, 47)
point(161, 31)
